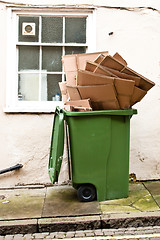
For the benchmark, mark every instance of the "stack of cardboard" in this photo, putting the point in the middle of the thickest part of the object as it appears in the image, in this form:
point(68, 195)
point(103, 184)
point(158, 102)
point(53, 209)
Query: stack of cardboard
point(98, 81)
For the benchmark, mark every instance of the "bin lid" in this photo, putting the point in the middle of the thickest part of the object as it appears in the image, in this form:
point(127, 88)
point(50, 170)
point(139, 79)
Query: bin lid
point(129, 111)
point(57, 146)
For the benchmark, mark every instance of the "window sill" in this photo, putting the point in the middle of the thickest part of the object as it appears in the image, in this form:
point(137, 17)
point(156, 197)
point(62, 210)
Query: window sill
point(33, 109)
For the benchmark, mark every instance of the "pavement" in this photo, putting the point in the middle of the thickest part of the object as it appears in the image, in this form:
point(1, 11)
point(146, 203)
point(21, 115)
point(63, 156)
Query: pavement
point(47, 212)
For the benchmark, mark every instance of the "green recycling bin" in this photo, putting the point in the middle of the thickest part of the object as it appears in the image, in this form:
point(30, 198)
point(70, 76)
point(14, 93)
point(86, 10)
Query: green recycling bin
point(99, 152)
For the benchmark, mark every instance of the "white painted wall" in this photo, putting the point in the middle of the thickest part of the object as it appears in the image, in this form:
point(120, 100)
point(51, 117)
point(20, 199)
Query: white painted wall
point(136, 37)
point(25, 138)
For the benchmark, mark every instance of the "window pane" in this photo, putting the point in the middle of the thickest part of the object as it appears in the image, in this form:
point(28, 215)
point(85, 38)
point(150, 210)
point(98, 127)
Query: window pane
point(75, 30)
point(50, 86)
point(51, 59)
point(28, 38)
point(74, 50)
point(28, 58)
point(52, 29)
point(28, 87)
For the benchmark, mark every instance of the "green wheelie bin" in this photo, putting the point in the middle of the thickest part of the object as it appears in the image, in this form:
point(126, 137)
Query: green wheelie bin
point(99, 152)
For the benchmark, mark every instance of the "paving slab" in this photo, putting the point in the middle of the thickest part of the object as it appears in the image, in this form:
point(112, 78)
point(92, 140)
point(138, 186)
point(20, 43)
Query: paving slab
point(57, 208)
point(63, 201)
point(21, 203)
point(154, 188)
point(139, 200)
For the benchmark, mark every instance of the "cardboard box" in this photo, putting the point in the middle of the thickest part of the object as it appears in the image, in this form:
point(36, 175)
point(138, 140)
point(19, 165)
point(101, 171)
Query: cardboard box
point(137, 96)
point(86, 78)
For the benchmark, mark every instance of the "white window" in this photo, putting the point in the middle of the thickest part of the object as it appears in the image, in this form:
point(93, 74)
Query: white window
point(36, 44)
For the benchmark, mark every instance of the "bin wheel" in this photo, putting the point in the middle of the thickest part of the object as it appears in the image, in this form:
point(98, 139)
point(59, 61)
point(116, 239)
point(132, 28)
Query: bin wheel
point(86, 193)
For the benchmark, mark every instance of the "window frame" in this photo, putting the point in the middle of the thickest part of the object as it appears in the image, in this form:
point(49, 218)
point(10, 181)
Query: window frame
point(12, 103)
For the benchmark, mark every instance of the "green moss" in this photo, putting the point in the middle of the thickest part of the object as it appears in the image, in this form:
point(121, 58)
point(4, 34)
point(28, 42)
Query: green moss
point(108, 208)
point(146, 203)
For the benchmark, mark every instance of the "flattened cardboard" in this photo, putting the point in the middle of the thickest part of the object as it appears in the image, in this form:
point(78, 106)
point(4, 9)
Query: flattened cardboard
point(76, 109)
point(137, 96)
point(81, 109)
point(64, 93)
point(80, 103)
point(118, 57)
point(124, 90)
point(144, 84)
point(101, 70)
point(96, 68)
point(98, 93)
point(73, 93)
point(83, 58)
point(64, 98)
point(90, 66)
point(124, 86)
point(69, 63)
point(106, 105)
point(111, 62)
point(78, 61)
point(86, 78)
point(99, 58)
point(124, 101)
point(124, 75)
point(71, 78)
point(63, 88)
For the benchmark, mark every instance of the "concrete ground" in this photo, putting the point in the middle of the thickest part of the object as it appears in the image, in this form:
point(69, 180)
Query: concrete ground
point(56, 210)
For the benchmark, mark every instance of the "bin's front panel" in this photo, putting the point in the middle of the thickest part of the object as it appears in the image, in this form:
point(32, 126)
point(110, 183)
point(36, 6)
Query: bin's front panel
point(100, 153)
point(90, 147)
point(118, 159)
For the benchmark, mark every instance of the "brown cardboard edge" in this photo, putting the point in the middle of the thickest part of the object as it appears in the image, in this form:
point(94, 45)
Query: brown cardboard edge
point(145, 83)
point(118, 57)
